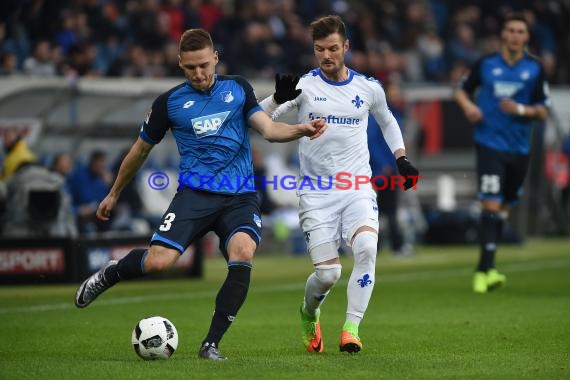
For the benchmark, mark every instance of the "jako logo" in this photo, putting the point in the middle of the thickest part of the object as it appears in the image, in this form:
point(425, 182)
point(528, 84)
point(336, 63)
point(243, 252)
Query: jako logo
point(208, 125)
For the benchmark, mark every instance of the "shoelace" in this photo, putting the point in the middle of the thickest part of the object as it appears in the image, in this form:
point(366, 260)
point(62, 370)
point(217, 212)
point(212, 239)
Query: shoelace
point(312, 327)
point(213, 351)
point(97, 285)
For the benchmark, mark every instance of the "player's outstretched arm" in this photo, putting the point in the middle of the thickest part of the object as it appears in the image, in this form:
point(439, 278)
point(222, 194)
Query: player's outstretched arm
point(281, 132)
point(130, 165)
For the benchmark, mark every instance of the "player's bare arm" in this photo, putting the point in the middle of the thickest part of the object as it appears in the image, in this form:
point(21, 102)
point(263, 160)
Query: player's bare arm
point(281, 132)
point(537, 111)
point(470, 109)
point(130, 165)
point(399, 153)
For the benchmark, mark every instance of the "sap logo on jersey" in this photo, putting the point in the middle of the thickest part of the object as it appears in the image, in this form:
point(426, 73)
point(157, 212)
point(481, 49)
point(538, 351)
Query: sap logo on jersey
point(209, 125)
point(504, 89)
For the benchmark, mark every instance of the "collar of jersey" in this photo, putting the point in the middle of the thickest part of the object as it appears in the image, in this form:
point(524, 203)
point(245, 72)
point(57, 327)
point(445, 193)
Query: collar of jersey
point(347, 81)
point(525, 55)
point(208, 91)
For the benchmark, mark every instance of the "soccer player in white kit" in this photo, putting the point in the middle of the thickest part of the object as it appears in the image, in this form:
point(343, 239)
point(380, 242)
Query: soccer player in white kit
point(345, 209)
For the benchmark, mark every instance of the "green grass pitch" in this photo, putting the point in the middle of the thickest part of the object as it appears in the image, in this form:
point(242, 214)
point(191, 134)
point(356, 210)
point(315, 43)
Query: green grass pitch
point(423, 323)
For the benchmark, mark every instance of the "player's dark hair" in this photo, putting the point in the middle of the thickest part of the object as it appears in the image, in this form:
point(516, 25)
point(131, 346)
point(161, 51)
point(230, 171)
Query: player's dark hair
point(516, 16)
point(195, 39)
point(327, 25)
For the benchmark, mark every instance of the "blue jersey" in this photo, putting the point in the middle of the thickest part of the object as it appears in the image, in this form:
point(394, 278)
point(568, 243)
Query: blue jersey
point(211, 131)
point(524, 82)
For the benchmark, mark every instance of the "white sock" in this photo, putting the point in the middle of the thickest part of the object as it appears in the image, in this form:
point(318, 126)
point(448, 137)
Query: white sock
point(318, 286)
point(362, 278)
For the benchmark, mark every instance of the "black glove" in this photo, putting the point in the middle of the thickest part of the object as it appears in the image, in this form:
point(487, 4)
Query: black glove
point(285, 88)
point(406, 169)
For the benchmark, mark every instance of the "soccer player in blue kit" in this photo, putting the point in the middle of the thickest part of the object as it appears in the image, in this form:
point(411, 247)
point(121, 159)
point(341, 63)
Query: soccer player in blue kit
point(209, 116)
point(513, 93)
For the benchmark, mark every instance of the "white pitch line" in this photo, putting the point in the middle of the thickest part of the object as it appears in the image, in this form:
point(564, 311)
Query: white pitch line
point(383, 278)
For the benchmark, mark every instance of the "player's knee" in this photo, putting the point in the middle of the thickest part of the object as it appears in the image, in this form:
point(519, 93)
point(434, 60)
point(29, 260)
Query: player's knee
point(160, 258)
point(364, 247)
point(241, 247)
point(242, 254)
point(328, 274)
point(491, 205)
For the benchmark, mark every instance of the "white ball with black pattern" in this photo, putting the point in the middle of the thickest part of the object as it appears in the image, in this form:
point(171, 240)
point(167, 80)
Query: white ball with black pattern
point(155, 338)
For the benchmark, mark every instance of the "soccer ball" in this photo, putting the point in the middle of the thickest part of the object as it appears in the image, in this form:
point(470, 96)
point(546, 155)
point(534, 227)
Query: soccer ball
point(155, 338)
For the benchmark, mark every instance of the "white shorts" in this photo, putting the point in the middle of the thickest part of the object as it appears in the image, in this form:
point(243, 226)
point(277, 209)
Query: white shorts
point(331, 216)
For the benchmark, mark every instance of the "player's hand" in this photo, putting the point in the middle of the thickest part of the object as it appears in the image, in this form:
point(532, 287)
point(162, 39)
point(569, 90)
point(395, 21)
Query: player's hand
point(408, 171)
point(473, 114)
point(285, 88)
point(105, 207)
point(315, 128)
point(509, 106)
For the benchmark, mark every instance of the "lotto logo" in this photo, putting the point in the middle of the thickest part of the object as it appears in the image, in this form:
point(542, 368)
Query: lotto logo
point(209, 125)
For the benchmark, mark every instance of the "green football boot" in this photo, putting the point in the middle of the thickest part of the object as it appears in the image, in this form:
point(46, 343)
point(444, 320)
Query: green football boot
point(311, 331)
point(495, 279)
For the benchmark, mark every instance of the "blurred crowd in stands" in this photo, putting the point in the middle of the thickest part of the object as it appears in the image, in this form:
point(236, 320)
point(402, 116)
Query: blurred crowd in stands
point(418, 40)
point(59, 198)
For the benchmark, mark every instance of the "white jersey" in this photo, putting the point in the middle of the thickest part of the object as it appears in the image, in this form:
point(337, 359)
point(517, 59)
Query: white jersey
point(342, 151)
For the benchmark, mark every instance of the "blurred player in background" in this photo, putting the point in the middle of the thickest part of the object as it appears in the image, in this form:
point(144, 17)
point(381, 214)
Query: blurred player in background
point(344, 98)
point(513, 93)
point(209, 116)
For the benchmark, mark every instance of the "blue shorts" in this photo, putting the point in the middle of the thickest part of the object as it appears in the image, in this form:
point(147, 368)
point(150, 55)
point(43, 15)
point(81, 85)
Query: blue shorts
point(193, 213)
point(500, 174)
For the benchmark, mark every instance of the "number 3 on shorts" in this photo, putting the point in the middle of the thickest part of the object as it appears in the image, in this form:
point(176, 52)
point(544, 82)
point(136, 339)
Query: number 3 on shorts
point(168, 219)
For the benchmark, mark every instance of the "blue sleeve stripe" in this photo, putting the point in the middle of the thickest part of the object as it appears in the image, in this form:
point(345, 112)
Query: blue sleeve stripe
point(173, 244)
point(239, 263)
point(146, 138)
point(254, 110)
point(242, 228)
